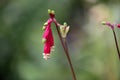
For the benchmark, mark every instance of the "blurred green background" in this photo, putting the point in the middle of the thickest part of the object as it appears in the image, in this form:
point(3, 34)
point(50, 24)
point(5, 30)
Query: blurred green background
point(91, 45)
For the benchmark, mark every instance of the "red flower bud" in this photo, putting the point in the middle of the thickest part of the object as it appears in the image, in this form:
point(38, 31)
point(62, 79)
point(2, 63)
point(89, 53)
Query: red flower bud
point(118, 25)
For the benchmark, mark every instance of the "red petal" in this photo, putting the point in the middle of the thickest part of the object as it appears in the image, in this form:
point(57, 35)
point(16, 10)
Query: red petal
point(49, 38)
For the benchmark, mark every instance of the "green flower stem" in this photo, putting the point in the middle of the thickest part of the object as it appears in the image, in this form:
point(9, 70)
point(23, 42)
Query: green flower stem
point(118, 51)
point(63, 42)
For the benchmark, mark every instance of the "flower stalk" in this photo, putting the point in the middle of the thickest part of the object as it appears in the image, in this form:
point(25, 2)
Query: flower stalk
point(114, 34)
point(118, 51)
point(64, 45)
point(48, 40)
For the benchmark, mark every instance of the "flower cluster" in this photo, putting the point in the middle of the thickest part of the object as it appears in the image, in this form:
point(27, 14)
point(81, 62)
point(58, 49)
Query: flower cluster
point(48, 39)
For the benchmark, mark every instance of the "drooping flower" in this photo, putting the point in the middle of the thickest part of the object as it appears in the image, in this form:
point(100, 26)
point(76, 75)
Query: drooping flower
point(47, 39)
point(47, 35)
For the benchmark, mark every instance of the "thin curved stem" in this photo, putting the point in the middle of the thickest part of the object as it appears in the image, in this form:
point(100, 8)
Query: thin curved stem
point(118, 51)
point(66, 51)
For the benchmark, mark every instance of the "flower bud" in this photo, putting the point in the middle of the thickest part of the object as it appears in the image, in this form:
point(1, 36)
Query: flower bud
point(103, 23)
point(118, 25)
point(65, 24)
point(53, 12)
point(108, 24)
point(64, 30)
point(49, 11)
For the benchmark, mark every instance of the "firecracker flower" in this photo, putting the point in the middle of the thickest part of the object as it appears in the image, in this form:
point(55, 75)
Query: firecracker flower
point(48, 37)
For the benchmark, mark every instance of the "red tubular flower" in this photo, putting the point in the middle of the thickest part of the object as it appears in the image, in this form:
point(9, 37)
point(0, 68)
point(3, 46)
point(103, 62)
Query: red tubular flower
point(48, 40)
point(47, 36)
